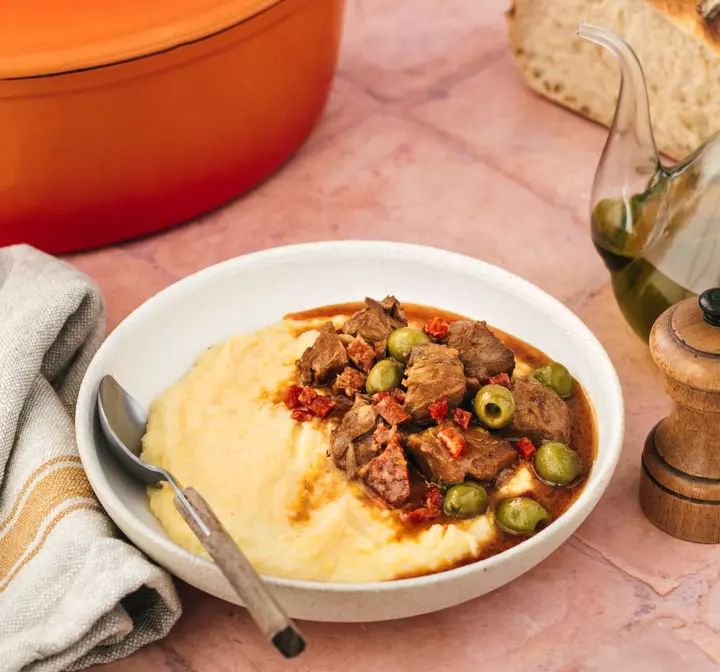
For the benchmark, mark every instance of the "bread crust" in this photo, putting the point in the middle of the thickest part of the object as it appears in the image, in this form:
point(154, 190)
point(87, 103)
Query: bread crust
point(700, 19)
point(694, 17)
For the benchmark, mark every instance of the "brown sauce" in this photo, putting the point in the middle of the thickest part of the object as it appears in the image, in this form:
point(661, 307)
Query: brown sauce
point(555, 499)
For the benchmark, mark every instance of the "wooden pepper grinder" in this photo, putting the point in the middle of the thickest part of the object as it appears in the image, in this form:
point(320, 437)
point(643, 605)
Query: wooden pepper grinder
point(680, 481)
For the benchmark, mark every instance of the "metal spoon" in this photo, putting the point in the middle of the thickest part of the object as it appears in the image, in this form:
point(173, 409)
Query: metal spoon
point(123, 423)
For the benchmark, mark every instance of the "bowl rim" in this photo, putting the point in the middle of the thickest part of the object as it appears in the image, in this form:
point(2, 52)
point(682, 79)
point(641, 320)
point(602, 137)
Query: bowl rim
point(573, 517)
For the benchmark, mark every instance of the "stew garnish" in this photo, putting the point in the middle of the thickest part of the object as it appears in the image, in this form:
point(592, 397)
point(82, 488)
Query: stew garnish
point(435, 422)
point(525, 448)
point(439, 409)
point(436, 327)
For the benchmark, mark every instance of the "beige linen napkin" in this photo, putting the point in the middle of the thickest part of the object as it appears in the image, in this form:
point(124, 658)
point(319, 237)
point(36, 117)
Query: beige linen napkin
point(71, 593)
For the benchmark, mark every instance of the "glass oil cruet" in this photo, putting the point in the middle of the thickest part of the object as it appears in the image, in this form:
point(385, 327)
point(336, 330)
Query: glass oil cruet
point(656, 227)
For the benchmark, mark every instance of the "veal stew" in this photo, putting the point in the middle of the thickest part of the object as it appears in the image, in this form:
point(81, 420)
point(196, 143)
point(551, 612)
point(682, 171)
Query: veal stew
point(433, 419)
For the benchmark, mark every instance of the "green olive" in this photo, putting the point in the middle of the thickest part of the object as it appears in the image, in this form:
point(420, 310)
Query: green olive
point(402, 341)
point(465, 500)
point(557, 378)
point(521, 515)
point(385, 375)
point(494, 406)
point(557, 464)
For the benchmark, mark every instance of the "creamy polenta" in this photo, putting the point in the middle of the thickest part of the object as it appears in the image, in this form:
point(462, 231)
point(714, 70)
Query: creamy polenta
point(223, 430)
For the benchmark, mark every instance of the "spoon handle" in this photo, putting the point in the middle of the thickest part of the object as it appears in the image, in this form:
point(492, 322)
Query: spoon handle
point(264, 609)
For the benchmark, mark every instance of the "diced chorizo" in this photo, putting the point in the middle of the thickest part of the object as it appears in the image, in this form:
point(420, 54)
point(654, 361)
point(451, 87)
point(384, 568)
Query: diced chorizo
point(361, 354)
point(349, 382)
point(437, 327)
point(433, 507)
point(462, 417)
point(321, 406)
point(387, 474)
point(434, 497)
point(307, 396)
point(453, 441)
point(396, 393)
point(419, 516)
point(439, 409)
point(525, 448)
point(501, 379)
point(290, 398)
point(391, 411)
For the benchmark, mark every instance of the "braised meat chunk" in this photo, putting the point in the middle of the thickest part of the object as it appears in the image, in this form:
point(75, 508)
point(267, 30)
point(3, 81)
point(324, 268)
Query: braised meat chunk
point(394, 309)
point(387, 474)
point(377, 320)
point(539, 413)
point(483, 458)
point(324, 359)
point(482, 353)
point(434, 371)
point(349, 446)
point(487, 455)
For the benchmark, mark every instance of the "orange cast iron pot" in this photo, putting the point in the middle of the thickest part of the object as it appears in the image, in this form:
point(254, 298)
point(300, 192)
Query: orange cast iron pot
point(126, 117)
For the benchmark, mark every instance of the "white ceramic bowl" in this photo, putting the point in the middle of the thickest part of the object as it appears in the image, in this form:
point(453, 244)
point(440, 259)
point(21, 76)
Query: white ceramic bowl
point(159, 342)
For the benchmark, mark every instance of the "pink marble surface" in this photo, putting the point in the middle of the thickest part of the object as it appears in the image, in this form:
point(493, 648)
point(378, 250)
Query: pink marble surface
point(431, 137)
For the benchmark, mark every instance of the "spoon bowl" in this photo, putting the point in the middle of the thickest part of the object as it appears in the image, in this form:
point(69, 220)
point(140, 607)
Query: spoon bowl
point(123, 423)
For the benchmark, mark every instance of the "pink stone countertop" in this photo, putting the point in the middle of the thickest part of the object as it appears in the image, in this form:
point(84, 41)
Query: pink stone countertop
point(431, 137)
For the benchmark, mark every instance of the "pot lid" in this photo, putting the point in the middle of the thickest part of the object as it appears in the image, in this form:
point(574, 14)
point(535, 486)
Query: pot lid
point(43, 37)
point(685, 341)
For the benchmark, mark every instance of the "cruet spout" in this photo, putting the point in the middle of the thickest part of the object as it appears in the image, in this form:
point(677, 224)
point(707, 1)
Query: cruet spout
point(629, 165)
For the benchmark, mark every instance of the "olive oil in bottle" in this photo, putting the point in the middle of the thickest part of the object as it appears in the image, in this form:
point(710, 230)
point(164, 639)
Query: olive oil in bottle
point(642, 291)
point(667, 253)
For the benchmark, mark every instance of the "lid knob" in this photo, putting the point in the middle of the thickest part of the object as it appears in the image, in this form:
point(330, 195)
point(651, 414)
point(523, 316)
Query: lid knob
point(710, 305)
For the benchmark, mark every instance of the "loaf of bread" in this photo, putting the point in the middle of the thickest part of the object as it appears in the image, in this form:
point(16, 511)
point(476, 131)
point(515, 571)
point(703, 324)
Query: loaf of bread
point(677, 42)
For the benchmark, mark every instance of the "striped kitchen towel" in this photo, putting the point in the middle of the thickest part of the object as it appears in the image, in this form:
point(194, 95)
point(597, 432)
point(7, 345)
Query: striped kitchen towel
point(72, 594)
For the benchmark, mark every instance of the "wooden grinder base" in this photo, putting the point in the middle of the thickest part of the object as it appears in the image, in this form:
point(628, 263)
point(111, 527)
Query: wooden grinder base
point(685, 506)
point(680, 479)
